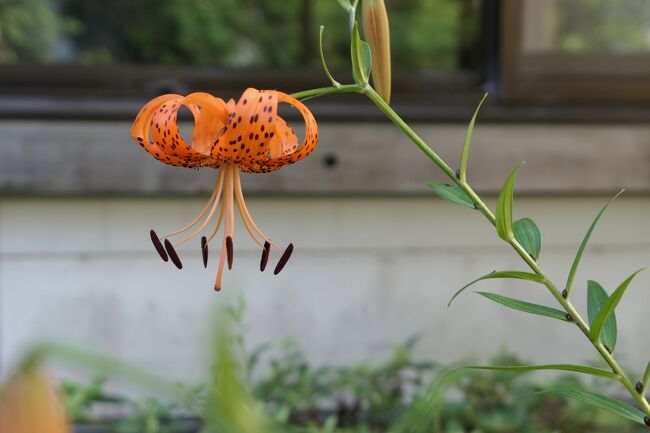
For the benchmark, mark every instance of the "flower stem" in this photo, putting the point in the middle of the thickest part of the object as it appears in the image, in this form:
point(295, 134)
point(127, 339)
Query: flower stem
point(480, 205)
point(322, 91)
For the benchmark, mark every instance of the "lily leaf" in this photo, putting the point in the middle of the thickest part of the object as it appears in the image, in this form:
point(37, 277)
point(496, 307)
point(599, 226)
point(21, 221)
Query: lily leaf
point(583, 245)
point(529, 237)
point(603, 402)
point(515, 275)
point(468, 142)
point(608, 308)
point(504, 207)
point(452, 193)
point(596, 298)
point(526, 307)
point(366, 59)
point(360, 56)
point(560, 367)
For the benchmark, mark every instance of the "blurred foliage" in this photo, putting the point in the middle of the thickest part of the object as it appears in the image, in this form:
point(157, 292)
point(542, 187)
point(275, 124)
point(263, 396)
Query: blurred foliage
point(400, 395)
point(610, 26)
point(234, 33)
point(30, 30)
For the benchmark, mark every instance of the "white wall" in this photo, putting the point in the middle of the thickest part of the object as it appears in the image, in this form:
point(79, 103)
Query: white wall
point(366, 274)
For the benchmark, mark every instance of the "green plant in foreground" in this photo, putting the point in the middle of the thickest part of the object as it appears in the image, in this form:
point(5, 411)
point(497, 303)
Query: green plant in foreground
point(525, 238)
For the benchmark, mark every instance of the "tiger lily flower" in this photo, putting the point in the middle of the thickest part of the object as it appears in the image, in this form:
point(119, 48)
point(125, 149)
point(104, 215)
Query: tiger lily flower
point(248, 136)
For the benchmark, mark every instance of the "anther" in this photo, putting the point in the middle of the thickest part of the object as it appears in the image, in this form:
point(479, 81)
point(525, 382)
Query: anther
point(229, 251)
point(283, 260)
point(565, 294)
point(639, 387)
point(568, 317)
point(646, 420)
point(172, 254)
point(204, 251)
point(265, 255)
point(607, 348)
point(158, 246)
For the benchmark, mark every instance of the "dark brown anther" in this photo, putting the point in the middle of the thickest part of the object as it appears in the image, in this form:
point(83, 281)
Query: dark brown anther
point(159, 247)
point(172, 254)
point(646, 420)
point(639, 387)
point(565, 294)
point(265, 255)
point(229, 251)
point(607, 348)
point(204, 251)
point(568, 317)
point(283, 260)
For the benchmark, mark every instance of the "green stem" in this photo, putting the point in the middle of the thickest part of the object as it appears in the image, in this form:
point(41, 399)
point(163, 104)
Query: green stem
point(480, 205)
point(322, 91)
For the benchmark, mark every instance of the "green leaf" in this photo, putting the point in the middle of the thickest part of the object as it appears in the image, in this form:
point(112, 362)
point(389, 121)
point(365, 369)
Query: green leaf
point(452, 193)
point(366, 59)
point(560, 367)
point(515, 275)
point(583, 245)
point(526, 307)
point(359, 57)
point(468, 142)
point(608, 308)
point(504, 207)
point(596, 298)
point(646, 377)
point(529, 237)
point(600, 401)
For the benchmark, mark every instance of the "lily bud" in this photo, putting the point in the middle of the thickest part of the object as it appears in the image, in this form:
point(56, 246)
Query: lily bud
point(29, 404)
point(377, 33)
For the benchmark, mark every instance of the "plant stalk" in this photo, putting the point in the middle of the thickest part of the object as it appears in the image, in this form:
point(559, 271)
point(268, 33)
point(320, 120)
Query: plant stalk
point(481, 207)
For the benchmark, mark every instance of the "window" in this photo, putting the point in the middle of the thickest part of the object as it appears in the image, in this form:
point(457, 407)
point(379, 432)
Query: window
point(114, 49)
point(576, 50)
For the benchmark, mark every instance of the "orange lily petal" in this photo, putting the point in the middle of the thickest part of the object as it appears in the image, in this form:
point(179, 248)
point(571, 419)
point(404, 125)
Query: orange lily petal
point(249, 130)
point(287, 140)
point(159, 117)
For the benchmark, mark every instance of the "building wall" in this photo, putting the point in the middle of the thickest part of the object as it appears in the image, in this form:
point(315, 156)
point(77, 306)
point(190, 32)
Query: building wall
point(367, 273)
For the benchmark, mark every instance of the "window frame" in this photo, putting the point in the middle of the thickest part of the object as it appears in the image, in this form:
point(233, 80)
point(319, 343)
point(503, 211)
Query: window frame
point(602, 82)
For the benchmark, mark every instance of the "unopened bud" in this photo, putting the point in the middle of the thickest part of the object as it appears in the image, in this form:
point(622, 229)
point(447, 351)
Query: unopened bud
point(377, 33)
point(29, 404)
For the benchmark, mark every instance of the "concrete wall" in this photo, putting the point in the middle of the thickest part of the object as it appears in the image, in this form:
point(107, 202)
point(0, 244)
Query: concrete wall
point(366, 274)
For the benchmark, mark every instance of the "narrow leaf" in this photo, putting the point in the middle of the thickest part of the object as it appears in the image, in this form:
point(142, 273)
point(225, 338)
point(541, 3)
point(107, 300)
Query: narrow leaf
point(357, 55)
point(526, 307)
point(452, 193)
point(596, 298)
point(608, 308)
point(366, 59)
point(560, 367)
point(583, 245)
point(504, 207)
point(646, 376)
point(468, 142)
point(529, 237)
point(602, 402)
point(515, 275)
